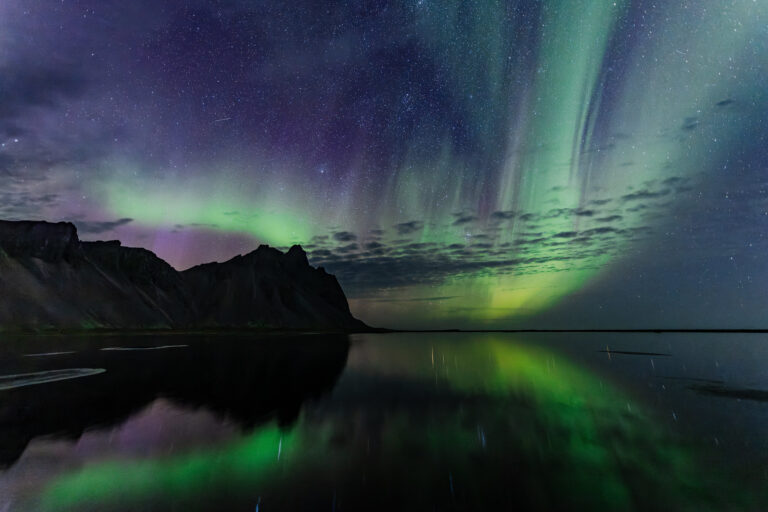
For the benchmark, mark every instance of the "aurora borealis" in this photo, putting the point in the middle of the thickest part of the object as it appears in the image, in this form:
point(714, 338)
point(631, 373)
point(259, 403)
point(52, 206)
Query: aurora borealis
point(497, 164)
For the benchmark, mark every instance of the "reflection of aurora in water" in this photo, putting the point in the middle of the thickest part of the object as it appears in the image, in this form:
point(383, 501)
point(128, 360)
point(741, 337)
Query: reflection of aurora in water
point(453, 424)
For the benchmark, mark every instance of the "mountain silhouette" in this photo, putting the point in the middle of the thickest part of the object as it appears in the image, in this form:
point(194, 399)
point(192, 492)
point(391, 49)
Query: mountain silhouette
point(52, 280)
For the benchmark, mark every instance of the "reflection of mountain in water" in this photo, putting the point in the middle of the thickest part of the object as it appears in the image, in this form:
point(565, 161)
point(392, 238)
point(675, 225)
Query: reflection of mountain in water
point(245, 380)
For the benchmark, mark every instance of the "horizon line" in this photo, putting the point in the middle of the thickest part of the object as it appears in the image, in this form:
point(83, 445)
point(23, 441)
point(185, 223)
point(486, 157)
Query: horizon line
point(618, 330)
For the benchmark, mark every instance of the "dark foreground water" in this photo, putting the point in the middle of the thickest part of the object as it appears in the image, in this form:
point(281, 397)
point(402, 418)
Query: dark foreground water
point(385, 422)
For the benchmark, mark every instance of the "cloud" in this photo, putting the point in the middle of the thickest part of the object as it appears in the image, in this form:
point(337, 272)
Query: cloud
point(529, 241)
point(24, 205)
point(23, 86)
point(673, 180)
point(406, 228)
point(321, 253)
point(582, 240)
point(25, 165)
point(503, 215)
point(644, 194)
point(421, 245)
point(344, 236)
point(38, 138)
point(98, 227)
point(402, 263)
point(569, 212)
point(420, 299)
point(599, 231)
point(361, 275)
point(347, 248)
point(464, 219)
point(690, 124)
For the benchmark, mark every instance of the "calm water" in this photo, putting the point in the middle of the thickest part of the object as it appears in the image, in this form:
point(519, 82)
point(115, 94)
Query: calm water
point(385, 422)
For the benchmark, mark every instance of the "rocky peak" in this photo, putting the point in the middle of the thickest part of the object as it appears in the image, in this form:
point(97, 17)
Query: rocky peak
point(297, 256)
point(38, 239)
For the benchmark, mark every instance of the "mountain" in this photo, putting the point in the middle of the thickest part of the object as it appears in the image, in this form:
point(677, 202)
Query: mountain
point(267, 287)
point(52, 280)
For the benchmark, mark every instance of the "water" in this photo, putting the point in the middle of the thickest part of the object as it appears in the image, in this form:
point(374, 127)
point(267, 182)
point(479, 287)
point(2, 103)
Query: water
point(384, 422)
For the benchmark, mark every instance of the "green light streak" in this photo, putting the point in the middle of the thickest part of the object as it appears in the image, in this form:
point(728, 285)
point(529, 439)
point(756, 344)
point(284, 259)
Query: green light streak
point(272, 216)
point(574, 38)
point(553, 131)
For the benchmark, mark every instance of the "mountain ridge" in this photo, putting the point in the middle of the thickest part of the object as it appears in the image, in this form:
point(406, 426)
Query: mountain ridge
point(51, 280)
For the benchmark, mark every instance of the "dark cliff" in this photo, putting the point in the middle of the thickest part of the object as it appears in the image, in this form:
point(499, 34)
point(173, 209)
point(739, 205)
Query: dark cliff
point(51, 280)
point(268, 288)
point(42, 240)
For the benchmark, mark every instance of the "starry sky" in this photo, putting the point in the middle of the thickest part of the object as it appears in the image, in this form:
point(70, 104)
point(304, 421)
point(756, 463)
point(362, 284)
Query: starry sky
point(456, 163)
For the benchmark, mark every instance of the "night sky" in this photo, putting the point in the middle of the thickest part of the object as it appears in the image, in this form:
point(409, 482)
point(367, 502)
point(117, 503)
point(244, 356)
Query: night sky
point(550, 163)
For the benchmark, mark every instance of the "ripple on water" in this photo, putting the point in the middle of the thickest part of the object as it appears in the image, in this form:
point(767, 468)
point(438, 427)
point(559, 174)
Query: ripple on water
point(29, 379)
point(161, 347)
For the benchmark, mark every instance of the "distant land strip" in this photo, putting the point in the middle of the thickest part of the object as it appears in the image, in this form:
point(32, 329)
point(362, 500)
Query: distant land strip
point(725, 331)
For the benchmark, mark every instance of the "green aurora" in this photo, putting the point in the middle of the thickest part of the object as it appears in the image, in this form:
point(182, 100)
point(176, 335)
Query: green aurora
point(555, 159)
point(499, 157)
